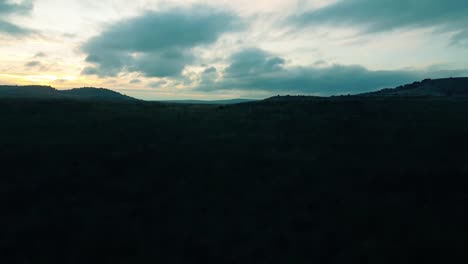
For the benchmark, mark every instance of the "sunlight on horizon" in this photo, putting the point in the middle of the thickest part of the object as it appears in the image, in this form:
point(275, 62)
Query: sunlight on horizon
point(217, 49)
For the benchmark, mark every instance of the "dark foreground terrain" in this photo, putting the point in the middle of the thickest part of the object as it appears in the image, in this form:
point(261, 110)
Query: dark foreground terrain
point(343, 180)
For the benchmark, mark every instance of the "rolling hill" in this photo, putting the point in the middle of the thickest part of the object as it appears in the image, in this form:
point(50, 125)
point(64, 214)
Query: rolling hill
point(448, 87)
point(47, 92)
point(453, 87)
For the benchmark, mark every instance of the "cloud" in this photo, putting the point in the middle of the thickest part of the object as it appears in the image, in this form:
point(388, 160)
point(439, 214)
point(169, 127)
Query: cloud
point(253, 62)
point(158, 84)
point(135, 81)
point(209, 78)
point(157, 44)
point(10, 8)
point(40, 55)
point(257, 70)
point(12, 29)
point(386, 15)
point(461, 37)
point(89, 71)
point(32, 64)
point(165, 63)
point(210, 70)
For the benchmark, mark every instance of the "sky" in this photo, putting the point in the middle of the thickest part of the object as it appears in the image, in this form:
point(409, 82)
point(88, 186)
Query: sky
point(220, 49)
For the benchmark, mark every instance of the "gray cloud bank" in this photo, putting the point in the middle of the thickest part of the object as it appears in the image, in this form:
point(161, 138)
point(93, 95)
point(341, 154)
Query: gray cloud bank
point(161, 44)
point(385, 15)
point(9, 8)
point(156, 44)
point(257, 70)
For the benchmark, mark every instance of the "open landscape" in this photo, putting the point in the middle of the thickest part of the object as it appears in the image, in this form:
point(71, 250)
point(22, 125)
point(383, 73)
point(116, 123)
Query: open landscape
point(284, 180)
point(233, 132)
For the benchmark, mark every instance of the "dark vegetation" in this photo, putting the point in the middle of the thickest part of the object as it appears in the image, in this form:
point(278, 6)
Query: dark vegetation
point(451, 87)
point(47, 92)
point(338, 180)
point(218, 102)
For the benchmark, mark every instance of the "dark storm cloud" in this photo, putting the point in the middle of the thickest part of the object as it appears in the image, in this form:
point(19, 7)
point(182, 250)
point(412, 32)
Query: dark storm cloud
point(157, 44)
point(386, 15)
point(257, 70)
point(9, 8)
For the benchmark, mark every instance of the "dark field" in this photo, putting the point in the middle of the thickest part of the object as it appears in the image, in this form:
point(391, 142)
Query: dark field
point(344, 180)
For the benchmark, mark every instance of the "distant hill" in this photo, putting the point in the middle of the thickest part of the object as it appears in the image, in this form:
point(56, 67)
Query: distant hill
point(448, 87)
point(292, 98)
point(454, 87)
point(47, 92)
point(231, 101)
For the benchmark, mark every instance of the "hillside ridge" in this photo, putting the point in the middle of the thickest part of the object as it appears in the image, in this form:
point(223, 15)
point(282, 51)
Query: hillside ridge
point(48, 92)
point(450, 87)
